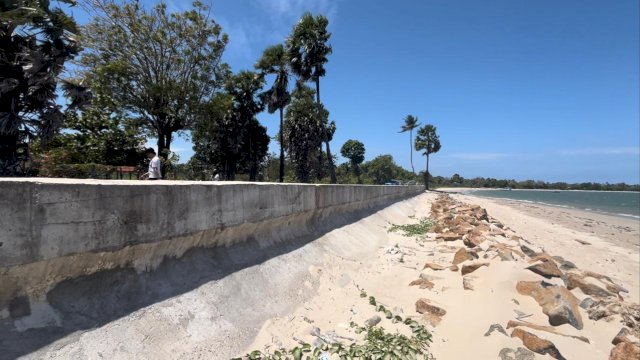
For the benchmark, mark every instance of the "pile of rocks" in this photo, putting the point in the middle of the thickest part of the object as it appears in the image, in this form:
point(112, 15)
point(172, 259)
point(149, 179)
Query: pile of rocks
point(485, 239)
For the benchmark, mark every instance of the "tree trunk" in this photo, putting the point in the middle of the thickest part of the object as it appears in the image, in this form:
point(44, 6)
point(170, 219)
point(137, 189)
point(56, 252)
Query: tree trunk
point(332, 170)
point(320, 174)
point(281, 146)
point(167, 144)
point(8, 151)
point(411, 149)
point(426, 176)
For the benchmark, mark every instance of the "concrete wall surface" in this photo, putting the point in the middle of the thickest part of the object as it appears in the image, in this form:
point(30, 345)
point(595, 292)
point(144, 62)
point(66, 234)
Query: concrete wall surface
point(52, 230)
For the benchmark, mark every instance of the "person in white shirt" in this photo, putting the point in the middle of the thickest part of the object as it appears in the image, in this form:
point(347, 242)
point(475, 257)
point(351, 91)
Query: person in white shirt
point(154, 165)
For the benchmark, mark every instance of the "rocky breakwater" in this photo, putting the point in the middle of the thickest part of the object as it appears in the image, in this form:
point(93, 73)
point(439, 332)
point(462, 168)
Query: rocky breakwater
point(560, 297)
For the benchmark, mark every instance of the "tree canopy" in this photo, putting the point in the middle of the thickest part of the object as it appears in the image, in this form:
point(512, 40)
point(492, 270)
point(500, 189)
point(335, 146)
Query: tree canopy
point(36, 40)
point(303, 129)
point(308, 48)
point(227, 135)
point(274, 60)
point(157, 65)
point(429, 142)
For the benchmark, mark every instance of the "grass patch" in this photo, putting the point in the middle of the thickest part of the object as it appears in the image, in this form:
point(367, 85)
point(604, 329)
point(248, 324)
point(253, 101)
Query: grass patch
point(423, 226)
point(377, 344)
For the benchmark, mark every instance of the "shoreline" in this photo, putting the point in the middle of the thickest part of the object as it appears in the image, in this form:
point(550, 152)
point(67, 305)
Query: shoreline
point(461, 189)
point(470, 191)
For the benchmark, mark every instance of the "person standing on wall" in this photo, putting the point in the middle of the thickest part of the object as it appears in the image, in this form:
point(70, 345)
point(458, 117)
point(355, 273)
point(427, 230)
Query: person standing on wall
point(154, 165)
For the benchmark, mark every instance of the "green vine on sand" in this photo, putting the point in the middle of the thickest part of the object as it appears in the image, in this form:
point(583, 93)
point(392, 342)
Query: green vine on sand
point(421, 228)
point(377, 344)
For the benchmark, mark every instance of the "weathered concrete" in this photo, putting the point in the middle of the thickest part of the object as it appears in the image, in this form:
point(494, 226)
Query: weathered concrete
point(58, 230)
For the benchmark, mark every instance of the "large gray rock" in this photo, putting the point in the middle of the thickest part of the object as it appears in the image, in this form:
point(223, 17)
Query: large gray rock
point(558, 303)
point(520, 354)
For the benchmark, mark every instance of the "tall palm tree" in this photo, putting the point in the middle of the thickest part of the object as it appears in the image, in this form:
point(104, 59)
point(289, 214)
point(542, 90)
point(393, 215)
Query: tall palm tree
point(308, 48)
point(429, 141)
point(410, 123)
point(274, 61)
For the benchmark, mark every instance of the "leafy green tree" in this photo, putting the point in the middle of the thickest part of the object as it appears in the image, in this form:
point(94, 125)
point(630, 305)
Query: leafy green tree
point(100, 134)
point(354, 151)
point(380, 170)
point(428, 141)
point(410, 123)
point(307, 49)
point(303, 130)
point(274, 61)
point(35, 42)
point(227, 135)
point(157, 65)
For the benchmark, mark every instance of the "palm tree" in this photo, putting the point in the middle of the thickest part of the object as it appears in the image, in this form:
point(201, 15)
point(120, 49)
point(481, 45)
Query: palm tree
point(410, 123)
point(274, 61)
point(308, 48)
point(428, 141)
point(36, 39)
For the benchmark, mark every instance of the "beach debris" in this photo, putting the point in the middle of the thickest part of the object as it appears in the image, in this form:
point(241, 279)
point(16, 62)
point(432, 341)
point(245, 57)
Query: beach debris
point(546, 268)
point(467, 269)
point(625, 351)
point(549, 329)
point(467, 284)
point(373, 321)
point(608, 309)
point(463, 255)
point(433, 314)
point(495, 327)
point(582, 241)
point(537, 344)
point(558, 303)
point(520, 354)
point(422, 283)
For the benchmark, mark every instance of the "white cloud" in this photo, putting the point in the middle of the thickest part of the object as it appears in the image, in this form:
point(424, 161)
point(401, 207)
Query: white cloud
point(625, 150)
point(478, 156)
point(295, 8)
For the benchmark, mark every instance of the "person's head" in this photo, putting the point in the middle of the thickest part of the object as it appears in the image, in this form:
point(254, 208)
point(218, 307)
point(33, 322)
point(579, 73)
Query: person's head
point(150, 153)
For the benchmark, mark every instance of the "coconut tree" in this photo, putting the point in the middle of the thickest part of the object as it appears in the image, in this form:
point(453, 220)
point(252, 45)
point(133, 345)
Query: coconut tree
point(429, 141)
point(307, 49)
point(410, 123)
point(274, 61)
point(36, 39)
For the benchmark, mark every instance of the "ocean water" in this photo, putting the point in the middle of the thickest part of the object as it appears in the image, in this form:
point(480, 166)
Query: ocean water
point(626, 204)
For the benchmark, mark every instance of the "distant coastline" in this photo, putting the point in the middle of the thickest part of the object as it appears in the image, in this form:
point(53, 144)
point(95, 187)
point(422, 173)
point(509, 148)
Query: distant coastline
point(614, 203)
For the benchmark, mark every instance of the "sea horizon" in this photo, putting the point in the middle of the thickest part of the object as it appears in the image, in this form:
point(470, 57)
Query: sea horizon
point(625, 204)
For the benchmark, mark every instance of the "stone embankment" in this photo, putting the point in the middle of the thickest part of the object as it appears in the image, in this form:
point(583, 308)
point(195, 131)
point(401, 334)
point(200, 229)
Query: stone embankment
point(564, 293)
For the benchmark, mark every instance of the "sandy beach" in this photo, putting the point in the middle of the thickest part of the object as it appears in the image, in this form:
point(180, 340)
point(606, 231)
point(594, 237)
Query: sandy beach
point(495, 293)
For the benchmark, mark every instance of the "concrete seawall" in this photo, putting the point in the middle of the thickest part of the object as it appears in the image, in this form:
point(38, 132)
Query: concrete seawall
point(56, 230)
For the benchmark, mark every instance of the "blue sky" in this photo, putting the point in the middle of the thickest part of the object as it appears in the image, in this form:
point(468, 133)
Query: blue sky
point(542, 89)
